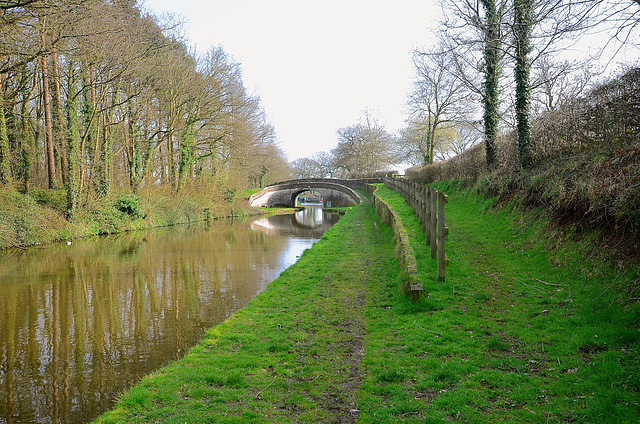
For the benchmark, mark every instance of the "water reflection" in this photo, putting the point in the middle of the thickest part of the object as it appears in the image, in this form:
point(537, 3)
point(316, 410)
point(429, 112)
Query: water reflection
point(80, 323)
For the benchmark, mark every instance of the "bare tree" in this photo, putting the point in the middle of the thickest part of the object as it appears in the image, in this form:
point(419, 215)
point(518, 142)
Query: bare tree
point(555, 83)
point(320, 165)
point(305, 168)
point(326, 164)
point(459, 137)
point(439, 97)
point(364, 147)
point(118, 98)
point(527, 32)
point(474, 33)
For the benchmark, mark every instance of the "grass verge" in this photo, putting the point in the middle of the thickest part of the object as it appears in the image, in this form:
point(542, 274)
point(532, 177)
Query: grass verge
point(293, 354)
point(517, 333)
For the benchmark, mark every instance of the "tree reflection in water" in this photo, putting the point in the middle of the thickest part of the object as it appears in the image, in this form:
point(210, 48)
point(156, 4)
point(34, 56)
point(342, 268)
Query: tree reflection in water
point(82, 322)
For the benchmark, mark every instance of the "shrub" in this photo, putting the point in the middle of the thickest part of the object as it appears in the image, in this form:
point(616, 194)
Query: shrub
point(55, 198)
point(130, 205)
point(230, 195)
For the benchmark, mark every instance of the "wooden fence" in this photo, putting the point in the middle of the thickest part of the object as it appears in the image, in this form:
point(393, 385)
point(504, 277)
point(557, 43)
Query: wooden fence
point(428, 205)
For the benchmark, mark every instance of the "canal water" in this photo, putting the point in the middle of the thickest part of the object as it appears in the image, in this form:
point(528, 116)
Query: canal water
point(81, 322)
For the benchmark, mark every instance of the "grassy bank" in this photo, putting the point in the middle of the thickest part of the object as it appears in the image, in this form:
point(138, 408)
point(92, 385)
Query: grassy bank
point(40, 217)
point(519, 332)
point(522, 331)
point(585, 166)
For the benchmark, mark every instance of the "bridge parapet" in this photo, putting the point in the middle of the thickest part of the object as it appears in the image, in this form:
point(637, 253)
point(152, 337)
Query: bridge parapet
point(356, 183)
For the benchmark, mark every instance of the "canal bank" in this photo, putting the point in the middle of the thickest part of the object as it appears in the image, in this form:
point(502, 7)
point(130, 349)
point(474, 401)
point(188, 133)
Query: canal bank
point(519, 332)
point(294, 353)
point(41, 218)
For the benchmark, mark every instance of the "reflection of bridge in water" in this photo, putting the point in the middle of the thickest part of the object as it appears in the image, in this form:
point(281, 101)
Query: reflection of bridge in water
point(333, 191)
point(312, 218)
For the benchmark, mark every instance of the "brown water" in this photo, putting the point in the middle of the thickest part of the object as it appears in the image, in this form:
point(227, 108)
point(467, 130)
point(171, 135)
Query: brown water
point(80, 323)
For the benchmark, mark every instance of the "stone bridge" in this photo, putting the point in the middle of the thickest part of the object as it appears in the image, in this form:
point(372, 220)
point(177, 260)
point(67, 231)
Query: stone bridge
point(334, 192)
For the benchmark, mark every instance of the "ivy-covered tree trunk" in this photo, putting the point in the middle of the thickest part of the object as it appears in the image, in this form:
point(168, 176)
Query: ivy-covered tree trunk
point(104, 165)
point(27, 136)
point(187, 146)
point(46, 104)
point(433, 125)
point(74, 152)
point(90, 137)
point(263, 176)
point(135, 158)
point(171, 168)
point(523, 21)
point(5, 169)
point(134, 146)
point(491, 75)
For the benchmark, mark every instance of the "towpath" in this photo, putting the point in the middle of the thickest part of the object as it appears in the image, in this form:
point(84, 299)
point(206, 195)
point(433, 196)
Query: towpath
point(516, 334)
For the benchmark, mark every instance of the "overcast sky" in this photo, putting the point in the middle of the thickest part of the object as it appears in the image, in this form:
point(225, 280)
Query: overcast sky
point(315, 65)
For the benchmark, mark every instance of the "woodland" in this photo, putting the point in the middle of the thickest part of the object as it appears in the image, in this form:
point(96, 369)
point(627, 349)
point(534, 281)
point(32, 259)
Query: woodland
point(99, 98)
point(107, 114)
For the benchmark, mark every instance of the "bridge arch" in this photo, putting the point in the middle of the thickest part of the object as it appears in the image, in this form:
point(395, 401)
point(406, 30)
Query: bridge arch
point(285, 193)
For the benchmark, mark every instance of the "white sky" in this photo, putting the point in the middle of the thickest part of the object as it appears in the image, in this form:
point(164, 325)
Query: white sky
point(315, 65)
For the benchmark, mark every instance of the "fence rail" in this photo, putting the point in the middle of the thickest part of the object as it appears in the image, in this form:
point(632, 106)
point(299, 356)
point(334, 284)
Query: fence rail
point(429, 206)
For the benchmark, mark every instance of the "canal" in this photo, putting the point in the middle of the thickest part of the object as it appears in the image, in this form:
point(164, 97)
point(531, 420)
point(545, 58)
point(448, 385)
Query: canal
point(81, 322)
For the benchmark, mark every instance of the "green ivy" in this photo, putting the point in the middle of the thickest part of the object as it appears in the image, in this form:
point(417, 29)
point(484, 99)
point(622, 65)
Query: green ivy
point(130, 205)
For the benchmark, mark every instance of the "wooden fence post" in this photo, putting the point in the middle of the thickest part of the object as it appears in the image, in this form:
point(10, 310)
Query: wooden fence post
point(433, 223)
point(420, 210)
point(412, 197)
point(429, 205)
point(427, 214)
point(442, 200)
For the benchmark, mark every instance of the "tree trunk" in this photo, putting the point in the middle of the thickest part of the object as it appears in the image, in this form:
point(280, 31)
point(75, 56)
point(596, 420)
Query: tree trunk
point(104, 165)
point(27, 138)
point(104, 168)
point(492, 73)
point(172, 164)
point(46, 103)
point(5, 169)
point(74, 153)
point(134, 148)
point(523, 20)
point(187, 145)
point(90, 138)
point(59, 131)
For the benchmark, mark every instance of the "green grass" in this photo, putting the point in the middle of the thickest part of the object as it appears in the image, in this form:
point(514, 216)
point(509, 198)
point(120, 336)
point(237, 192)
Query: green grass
point(293, 354)
point(245, 194)
point(519, 332)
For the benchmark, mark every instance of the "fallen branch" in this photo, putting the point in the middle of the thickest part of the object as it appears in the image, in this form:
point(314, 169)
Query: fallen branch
point(544, 282)
point(533, 287)
point(424, 329)
point(11, 243)
point(272, 381)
